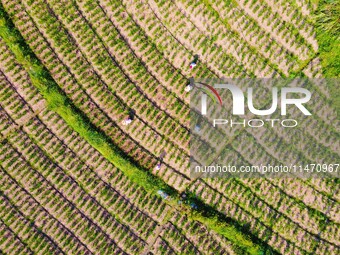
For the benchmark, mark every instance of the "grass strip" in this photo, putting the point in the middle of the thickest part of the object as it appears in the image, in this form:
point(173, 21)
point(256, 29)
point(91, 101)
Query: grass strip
point(327, 24)
point(58, 101)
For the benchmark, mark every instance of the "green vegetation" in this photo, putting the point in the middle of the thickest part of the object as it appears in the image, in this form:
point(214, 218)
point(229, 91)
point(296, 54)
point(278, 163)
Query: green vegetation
point(95, 63)
point(328, 18)
point(59, 102)
point(327, 22)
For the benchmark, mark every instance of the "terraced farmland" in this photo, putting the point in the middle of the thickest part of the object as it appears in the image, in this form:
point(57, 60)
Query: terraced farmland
point(78, 178)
